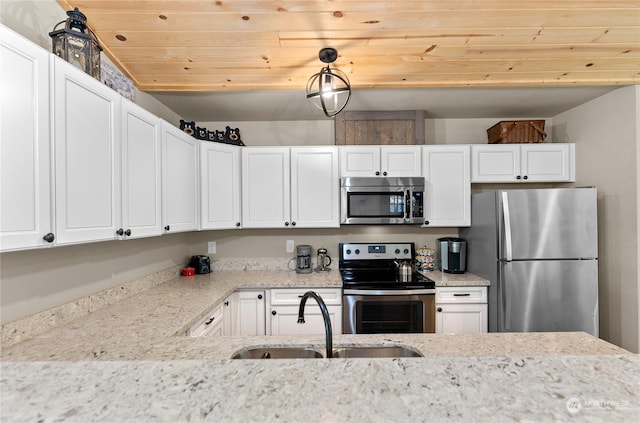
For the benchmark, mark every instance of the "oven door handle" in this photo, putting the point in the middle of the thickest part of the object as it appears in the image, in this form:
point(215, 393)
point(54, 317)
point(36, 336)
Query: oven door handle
point(395, 292)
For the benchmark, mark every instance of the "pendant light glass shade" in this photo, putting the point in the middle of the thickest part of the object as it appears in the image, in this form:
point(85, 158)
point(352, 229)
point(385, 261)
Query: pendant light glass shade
point(329, 89)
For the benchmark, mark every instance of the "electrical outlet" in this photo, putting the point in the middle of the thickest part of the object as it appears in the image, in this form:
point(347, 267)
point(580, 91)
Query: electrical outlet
point(212, 247)
point(289, 246)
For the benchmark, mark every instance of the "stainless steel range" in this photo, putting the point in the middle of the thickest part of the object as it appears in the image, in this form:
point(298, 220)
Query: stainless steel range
point(378, 294)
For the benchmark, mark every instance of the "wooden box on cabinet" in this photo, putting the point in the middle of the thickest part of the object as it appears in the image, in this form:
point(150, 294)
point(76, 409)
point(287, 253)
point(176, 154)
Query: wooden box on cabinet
point(380, 128)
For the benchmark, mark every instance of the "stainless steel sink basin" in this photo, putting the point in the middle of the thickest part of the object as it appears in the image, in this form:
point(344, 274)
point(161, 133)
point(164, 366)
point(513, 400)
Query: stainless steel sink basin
point(391, 351)
point(376, 352)
point(276, 352)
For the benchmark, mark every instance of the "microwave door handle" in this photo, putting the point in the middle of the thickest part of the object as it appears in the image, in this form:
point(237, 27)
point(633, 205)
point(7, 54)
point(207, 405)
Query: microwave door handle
point(407, 205)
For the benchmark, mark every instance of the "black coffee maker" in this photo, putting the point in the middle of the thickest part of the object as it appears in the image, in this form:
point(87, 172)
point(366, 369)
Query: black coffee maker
point(202, 264)
point(453, 254)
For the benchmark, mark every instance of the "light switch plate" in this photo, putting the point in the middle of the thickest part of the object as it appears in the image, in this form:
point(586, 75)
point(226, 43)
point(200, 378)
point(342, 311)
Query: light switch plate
point(290, 246)
point(211, 247)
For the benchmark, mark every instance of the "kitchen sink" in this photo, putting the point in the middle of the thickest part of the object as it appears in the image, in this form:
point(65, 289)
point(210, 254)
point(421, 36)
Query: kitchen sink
point(277, 352)
point(391, 351)
point(376, 352)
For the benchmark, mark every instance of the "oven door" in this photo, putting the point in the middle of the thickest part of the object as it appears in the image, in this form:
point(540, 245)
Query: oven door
point(389, 312)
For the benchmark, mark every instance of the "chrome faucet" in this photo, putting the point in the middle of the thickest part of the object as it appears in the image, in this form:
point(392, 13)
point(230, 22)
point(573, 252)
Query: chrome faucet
point(325, 316)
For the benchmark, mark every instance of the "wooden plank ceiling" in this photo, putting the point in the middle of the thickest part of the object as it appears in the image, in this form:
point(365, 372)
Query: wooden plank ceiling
point(226, 45)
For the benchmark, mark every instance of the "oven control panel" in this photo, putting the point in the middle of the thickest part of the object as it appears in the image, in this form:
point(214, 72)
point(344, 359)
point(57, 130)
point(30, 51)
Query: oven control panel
point(377, 251)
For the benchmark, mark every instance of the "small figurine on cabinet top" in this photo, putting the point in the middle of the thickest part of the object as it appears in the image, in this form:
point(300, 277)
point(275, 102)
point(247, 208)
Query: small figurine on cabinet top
point(232, 136)
point(188, 127)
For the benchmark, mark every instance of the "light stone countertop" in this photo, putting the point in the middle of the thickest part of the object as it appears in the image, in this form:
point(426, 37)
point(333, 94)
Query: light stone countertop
point(129, 362)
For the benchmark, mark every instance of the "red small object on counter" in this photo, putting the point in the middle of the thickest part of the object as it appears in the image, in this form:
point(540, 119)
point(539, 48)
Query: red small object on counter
point(188, 271)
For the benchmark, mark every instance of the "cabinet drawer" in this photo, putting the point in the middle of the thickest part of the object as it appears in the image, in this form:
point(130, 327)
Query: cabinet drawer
point(330, 296)
point(463, 294)
point(210, 324)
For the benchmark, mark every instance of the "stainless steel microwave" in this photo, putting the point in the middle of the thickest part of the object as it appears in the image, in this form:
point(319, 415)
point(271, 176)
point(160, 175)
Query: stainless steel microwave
point(382, 201)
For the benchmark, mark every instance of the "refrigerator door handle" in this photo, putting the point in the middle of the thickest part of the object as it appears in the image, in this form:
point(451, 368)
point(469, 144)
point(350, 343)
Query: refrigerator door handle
point(507, 227)
point(504, 308)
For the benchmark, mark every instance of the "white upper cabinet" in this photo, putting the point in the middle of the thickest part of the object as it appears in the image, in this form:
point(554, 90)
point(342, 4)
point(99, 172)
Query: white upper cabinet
point(265, 187)
point(315, 190)
point(220, 186)
point(87, 158)
point(397, 161)
point(180, 185)
point(543, 162)
point(290, 187)
point(447, 174)
point(141, 173)
point(25, 153)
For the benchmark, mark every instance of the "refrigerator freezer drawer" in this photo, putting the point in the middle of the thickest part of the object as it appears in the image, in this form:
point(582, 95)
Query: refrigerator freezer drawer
point(549, 296)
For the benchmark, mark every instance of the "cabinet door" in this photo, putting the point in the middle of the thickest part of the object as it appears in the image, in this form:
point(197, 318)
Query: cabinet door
point(447, 172)
point(141, 172)
point(87, 157)
point(180, 204)
point(25, 170)
point(495, 163)
point(401, 161)
point(220, 186)
point(251, 313)
point(284, 320)
point(265, 187)
point(547, 162)
point(315, 190)
point(359, 161)
point(461, 318)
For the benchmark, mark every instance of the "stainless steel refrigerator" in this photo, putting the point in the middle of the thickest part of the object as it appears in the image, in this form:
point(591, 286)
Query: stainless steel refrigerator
point(539, 249)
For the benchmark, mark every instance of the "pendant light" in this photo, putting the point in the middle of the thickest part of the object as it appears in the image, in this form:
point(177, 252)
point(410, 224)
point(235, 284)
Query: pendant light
point(329, 89)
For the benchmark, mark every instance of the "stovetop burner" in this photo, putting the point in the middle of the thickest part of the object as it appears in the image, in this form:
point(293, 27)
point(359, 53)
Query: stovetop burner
point(369, 266)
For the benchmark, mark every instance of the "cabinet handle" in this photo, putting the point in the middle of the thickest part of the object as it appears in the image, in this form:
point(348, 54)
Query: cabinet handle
point(167, 228)
point(259, 296)
point(238, 224)
point(226, 303)
point(120, 232)
point(525, 177)
point(274, 312)
point(286, 223)
point(127, 232)
point(466, 294)
point(208, 322)
point(377, 173)
point(518, 177)
point(49, 237)
point(293, 223)
point(426, 222)
point(439, 309)
point(384, 173)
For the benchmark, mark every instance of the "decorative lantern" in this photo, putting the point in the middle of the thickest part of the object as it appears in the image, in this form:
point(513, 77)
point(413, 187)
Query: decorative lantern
point(329, 89)
point(77, 44)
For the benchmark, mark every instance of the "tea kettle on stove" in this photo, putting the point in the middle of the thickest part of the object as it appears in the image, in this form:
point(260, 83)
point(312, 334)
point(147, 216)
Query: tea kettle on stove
point(404, 271)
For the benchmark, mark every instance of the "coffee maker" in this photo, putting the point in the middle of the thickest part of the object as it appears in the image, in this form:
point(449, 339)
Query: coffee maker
point(453, 254)
point(303, 259)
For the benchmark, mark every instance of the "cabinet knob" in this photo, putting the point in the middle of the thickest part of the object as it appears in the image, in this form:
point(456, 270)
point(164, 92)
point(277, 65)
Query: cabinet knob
point(274, 312)
point(518, 177)
point(293, 223)
point(426, 222)
point(259, 296)
point(49, 237)
point(226, 303)
point(439, 309)
point(167, 228)
point(525, 177)
point(120, 232)
point(377, 173)
point(238, 224)
point(127, 232)
point(384, 173)
point(286, 223)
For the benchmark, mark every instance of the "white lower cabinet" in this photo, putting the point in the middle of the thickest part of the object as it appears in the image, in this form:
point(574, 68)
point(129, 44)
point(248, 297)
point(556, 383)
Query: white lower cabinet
point(461, 310)
point(245, 313)
point(284, 305)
